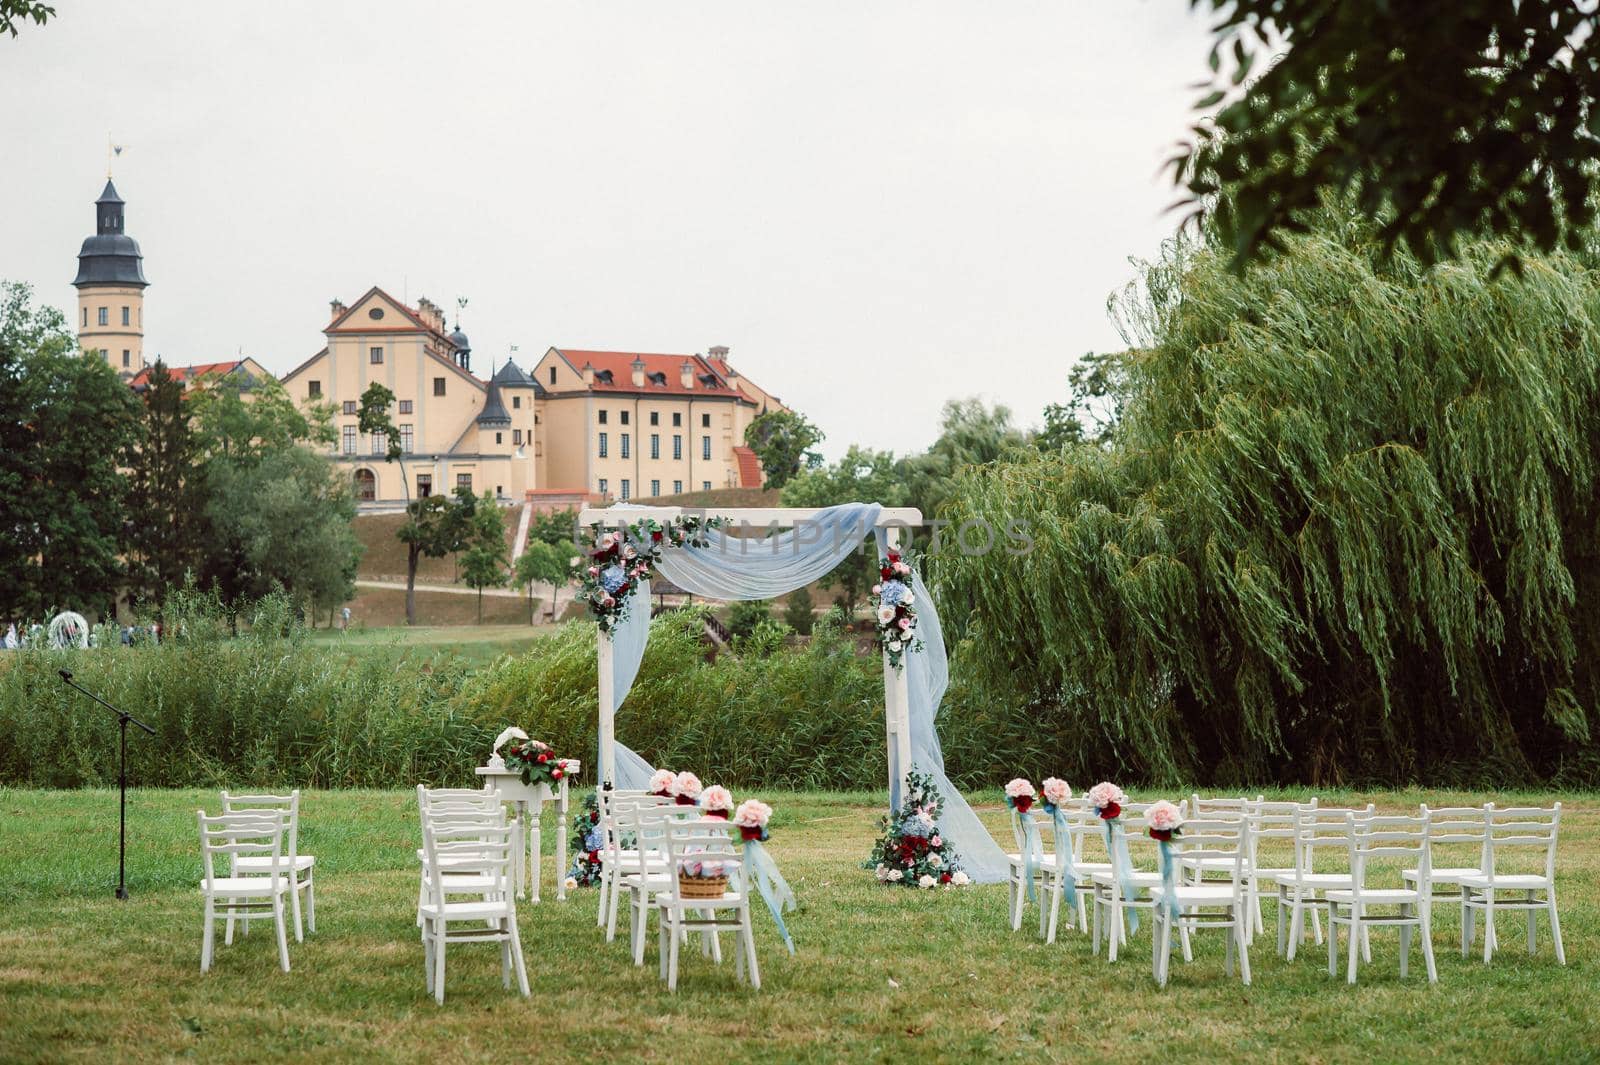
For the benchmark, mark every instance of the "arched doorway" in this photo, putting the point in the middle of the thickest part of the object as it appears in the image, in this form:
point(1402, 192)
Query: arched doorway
point(366, 485)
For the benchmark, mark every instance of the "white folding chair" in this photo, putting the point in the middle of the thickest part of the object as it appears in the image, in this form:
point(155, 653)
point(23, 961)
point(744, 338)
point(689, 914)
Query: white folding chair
point(1117, 888)
point(459, 808)
point(472, 849)
point(1221, 844)
point(1456, 832)
point(1362, 906)
point(701, 840)
point(603, 798)
point(301, 866)
point(1507, 831)
point(645, 858)
point(1058, 863)
point(258, 835)
point(1299, 891)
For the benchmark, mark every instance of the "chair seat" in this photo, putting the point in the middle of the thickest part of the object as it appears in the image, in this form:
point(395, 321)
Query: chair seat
point(302, 862)
point(727, 898)
point(1196, 894)
point(1209, 865)
point(1137, 878)
point(1510, 881)
point(467, 911)
point(1379, 897)
point(1046, 861)
point(247, 886)
point(466, 882)
point(1449, 875)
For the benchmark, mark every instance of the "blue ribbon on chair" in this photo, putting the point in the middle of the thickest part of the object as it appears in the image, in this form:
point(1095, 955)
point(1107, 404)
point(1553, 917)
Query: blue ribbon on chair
point(1031, 847)
point(1066, 868)
point(1169, 879)
point(762, 871)
point(1123, 864)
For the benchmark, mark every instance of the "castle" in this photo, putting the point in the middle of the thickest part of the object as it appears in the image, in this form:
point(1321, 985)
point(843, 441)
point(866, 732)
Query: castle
point(580, 425)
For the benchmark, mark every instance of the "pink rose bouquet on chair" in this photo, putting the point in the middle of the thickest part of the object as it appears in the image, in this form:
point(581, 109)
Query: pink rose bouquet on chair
point(1020, 795)
point(1164, 821)
point(1056, 794)
point(661, 783)
point(685, 789)
point(717, 801)
point(1107, 800)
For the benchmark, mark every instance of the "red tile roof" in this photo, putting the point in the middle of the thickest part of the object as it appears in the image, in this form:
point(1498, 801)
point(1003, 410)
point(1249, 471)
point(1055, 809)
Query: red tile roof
point(186, 373)
point(620, 363)
point(749, 467)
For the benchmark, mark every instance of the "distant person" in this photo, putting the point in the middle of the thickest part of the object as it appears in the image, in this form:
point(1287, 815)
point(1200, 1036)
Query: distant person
point(345, 614)
point(11, 637)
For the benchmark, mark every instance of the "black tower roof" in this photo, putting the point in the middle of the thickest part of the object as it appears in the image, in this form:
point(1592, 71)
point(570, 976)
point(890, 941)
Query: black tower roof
point(110, 257)
point(494, 410)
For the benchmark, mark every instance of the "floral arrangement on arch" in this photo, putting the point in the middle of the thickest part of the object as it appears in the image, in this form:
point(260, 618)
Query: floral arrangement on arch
point(894, 608)
point(537, 761)
point(622, 557)
point(911, 852)
point(587, 840)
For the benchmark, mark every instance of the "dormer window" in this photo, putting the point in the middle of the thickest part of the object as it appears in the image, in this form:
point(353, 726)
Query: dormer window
point(376, 314)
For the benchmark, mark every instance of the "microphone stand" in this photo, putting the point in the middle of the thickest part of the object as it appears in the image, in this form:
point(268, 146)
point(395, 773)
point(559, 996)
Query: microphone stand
point(123, 719)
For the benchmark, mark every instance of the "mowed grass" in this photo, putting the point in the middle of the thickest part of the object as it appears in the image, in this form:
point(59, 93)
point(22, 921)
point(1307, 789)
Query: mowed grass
point(880, 974)
point(476, 643)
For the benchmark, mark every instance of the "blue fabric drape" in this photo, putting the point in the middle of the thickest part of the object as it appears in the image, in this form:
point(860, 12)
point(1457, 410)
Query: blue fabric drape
point(732, 568)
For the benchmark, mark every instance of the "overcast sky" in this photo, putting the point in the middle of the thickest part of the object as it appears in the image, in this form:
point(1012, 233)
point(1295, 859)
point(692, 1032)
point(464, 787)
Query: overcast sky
point(877, 206)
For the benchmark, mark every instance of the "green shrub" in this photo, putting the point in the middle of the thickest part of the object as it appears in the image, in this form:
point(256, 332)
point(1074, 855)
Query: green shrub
point(745, 615)
point(797, 612)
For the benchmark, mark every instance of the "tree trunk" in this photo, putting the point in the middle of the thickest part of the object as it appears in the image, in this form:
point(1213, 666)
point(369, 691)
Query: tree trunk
point(555, 590)
point(530, 602)
point(480, 606)
point(412, 553)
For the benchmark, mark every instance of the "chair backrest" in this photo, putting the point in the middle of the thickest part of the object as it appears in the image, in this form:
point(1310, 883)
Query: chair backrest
point(1132, 830)
point(288, 805)
point(1223, 806)
point(475, 847)
point(1403, 837)
point(1227, 838)
point(1519, 827)
point(1324, 829)
point(1460, 829)
point(1276, 823)
point(254, 833)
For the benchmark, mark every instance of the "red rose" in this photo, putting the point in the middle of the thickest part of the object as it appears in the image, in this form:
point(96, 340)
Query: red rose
point(944, 878)
point(544, 756)
point(1023, 803)
point(719, 814)
point(886, 573)
point(555, 774)
point(749, 832)
point(1109, 812)
point(1162, 834)
point(684, 800)
point(655, 535)
point(594, 856)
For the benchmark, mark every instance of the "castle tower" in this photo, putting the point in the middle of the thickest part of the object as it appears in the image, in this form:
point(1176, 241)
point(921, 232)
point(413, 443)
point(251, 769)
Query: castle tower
point(111, 286)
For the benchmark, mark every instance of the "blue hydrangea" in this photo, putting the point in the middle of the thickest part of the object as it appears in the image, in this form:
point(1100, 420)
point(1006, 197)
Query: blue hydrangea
point(612, 578)
point(893, 593)
point(594, 840)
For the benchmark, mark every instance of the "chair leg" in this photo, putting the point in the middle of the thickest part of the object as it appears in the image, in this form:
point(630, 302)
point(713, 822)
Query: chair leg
point(1183, 941)
point(427, 958)
point(1405, 944)
point(605, 888)
point(294, 905)
point(1083, 914)
point(1117, 927)
point(672, 956)
point(311, 902)
point(516, 956)
point(1468, 916)
point(1357, 938)
point(747, 934)
point(1055, 910)
point(639, 925)
point(1333, 940)
point(1488, 924)
point(227, 935)
point(1096, 905)
point(208, 938)
point(1297, 928)
point(1015, 883)
point(1316, 925)
point(1244, 949)
point(278, 925)
point(441, 936)
point(661, 942)
point(1533, 916)
point(1283, 931)
point(611, 913)
point(1426, 928)
point(1555, 926)
point(1233, 940)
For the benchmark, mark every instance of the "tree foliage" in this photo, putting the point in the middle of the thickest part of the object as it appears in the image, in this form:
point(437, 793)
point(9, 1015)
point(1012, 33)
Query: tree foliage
point(65, 422)
point(544, 563)
point(863, 475)
point(1344, 531)
point(1441, 117)
point(14, 13)
point(783, 440)
point(486, 558)
point(166, 491)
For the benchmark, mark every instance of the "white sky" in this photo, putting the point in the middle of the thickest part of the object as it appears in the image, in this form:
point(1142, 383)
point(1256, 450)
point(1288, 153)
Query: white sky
point(877, 206)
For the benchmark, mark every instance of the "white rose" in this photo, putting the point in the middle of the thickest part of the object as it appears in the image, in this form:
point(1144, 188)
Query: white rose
point(961, 878)
point(894, 645)
point(886, 614)
point(907, 598)
point(572, 882)
point(895, 874)
point(925, 881)
point(574, 561)
point(935, 861)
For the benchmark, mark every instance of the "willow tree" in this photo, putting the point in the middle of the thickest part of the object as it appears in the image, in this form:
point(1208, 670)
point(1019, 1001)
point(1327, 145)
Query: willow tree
point(1345, 529)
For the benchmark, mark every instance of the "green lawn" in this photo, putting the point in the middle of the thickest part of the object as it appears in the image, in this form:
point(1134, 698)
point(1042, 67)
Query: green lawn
point(477, 643)
point(881, 973)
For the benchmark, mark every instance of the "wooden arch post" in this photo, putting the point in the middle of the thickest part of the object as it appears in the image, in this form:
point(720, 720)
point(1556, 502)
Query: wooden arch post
point(892, 523)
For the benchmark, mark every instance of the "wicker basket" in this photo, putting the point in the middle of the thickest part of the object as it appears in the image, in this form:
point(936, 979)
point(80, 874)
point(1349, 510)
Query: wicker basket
point(702, 887)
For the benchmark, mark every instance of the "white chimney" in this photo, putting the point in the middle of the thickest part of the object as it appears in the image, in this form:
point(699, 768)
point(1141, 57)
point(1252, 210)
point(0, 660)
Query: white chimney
point(638, 372)
point(686, 374)
point(588, 374)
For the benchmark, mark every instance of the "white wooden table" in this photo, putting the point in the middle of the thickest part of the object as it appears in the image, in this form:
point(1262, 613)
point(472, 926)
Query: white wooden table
point(528, 801)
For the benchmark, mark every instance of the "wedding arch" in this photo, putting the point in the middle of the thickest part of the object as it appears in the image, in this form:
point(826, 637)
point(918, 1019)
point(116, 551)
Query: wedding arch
point(790, 548)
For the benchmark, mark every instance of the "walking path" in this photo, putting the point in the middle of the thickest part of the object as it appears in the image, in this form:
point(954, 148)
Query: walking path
point(448, 589)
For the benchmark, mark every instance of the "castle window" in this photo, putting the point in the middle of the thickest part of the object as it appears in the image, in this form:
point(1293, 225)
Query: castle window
point(602, 417)
point(625, 441)
point(103, 315)
point(438, 386)
point(313, 389)
point(655, 488)
point(497, 437)
point(376, 314)
point(349, 440)
point(464, 480)
point(375, 356)
point(705, 421)
point(349, 406)
point(516, 402)
point(677, 488)
point(405, 406)
point(553, 381)
point(424, 485)
point(604, 440)
point(624, 417)
point(677, 446)
point(516, 437)
point(655, 447)
point(124, 315)
point(705, 447)
point(405, 439)
point(626, 486)
point(705, 486)
point(677, 418)
point(380, 443)
point(604, 487)
point(127, 358)
point(655, 418)
point(85, 318)
point(366, 485)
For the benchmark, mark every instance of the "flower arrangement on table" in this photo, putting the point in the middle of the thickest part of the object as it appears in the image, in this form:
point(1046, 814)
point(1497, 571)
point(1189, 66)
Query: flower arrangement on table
point(588, 838)
point(894, 608)
point(911, 852)
point(537, 762)
point(623, 557)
